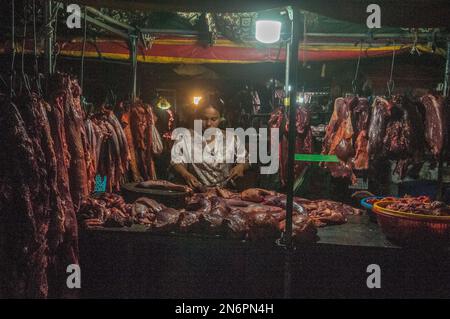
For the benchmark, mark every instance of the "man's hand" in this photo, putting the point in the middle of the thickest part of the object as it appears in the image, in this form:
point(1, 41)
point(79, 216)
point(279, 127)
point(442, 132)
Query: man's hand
point(237, 171)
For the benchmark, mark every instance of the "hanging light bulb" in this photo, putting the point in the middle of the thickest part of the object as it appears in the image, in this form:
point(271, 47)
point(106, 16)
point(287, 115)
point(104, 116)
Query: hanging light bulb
point(197, 100)
point(268, 31)
point(268, 27)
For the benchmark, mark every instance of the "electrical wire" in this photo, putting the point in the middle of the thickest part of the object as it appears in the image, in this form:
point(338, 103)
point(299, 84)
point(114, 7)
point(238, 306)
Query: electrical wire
point(13, 48)
point(24, 76)
point(36, 65)
point(390, 83)
point(354, 86)
point(55, 18)
point(83, 51)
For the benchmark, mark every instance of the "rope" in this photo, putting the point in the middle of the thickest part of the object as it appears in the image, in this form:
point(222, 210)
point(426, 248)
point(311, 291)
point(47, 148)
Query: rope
point(390, 83)
point(13, 47)
point(24, 76)
point(36, 66)
point(357, 69)
point(54, 38)
point(83, 51)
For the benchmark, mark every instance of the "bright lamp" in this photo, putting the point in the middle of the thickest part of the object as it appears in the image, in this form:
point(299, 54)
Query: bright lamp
point(268, 31)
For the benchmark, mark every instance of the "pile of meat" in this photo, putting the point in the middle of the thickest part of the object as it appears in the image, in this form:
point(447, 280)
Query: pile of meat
point(419, 205)
point(44, 171)
point(303, 139)
point(346, 136)
point(138, 122)
point(399, 128)
point(106, 209)
point(108, 148)
point(254, 214)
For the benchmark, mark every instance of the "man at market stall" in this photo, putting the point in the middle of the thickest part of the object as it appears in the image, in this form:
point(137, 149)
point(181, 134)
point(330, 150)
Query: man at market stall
point(214, 169)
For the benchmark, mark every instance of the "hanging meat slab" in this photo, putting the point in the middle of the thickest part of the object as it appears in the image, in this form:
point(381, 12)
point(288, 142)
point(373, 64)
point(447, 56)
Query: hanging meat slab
point(435, 128)
point(381, 111)
point(339, 136)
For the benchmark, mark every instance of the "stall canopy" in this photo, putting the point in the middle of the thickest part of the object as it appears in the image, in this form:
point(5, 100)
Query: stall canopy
point(401, 13)
point(182, 50)
point(229, 38)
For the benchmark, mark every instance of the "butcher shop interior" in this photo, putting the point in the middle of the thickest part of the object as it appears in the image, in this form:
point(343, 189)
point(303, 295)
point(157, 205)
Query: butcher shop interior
point(252, 149)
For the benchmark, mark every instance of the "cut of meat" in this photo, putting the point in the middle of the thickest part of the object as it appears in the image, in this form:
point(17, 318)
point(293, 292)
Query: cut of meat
point(339, 136)
point(112, 149)
point(361, 160)
point(125, 119)
point(237, 225)
point(142, 121)
point(167, 220)
point(215, 217)
point(255, 194)
point(380, 116)
point(360, 116)
point(163, 184)
point(435, 128)
point(303, 229)
point(303, 140)
point(262, 226)
point(75, 132)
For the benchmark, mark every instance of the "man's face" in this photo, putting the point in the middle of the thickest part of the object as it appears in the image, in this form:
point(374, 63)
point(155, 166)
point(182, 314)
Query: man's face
point(210, 118)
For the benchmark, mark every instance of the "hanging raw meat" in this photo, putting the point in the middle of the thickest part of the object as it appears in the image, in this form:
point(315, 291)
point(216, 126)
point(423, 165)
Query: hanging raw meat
point(381, 111)
point(111, 149)
point(435, 128)
point(126, 124)
point(303, 139)
point(38, 229)
point(67, 94)
point(360, 116)
point(339, 137)
point(142, 121)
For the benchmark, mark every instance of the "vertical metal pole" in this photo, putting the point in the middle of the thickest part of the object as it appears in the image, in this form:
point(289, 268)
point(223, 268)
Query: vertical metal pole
point(447, 70)
point(133, 56)
point(293, 72)
point(292, 60)
point(48, 37)
point(440, 186)
point(286, 81)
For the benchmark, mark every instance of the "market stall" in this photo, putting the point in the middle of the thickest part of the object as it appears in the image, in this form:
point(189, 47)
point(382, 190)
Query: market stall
point(83, 184)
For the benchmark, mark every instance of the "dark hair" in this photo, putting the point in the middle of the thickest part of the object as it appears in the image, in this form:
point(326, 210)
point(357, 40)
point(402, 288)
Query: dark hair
point(202, 106)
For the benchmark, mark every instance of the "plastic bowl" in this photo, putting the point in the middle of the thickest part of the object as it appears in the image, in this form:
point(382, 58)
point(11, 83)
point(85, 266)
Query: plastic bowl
point(369, 207)
point(409, 229)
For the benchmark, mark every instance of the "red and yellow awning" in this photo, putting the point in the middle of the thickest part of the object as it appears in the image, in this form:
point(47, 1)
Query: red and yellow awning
point(183, 50)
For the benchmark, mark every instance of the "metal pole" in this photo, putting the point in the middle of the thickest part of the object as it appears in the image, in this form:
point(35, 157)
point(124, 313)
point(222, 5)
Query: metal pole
point(109, 19)
point(293, 72)
point(292, 60)
point(440, 186)
point(133, 57)
point(447, 71)
point(106, 27)
point(286, 81)
point(48, 37)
